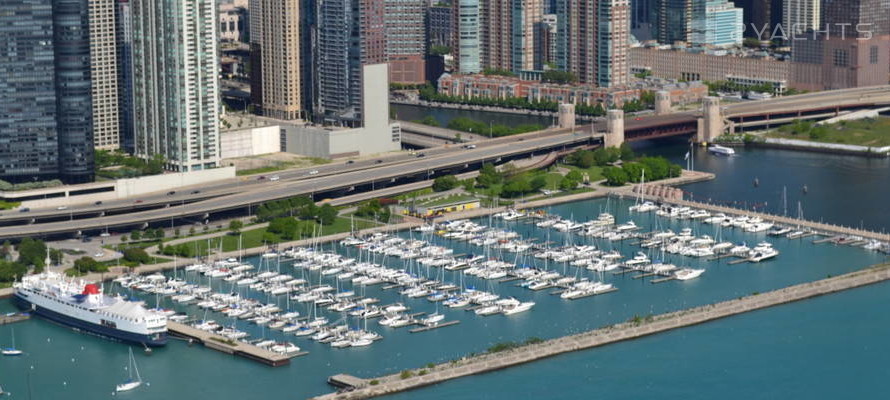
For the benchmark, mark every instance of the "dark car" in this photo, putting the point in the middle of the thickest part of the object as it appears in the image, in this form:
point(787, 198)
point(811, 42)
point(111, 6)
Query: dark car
point(261, 177)
point(98, 203)
point(351, 162)
point(379, 161)
point(196, 191)
point(24, 209)
point(171, 193)
point(87, 239)
point(138, 201)
point(421, 155)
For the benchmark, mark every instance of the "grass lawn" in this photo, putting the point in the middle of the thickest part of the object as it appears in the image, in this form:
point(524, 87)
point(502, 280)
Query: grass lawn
point(874, 132)
point(595, 173)
point(4, 285)
point(283, 165)
point(254, 237)
point(455, 198)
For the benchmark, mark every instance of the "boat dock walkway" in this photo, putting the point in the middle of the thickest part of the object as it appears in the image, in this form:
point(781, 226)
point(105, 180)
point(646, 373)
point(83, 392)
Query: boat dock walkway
point(13, 318)
point(635, 328)
point(228, 346)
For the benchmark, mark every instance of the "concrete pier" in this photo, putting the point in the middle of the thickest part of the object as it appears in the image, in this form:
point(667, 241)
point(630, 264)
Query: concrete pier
point(228, 346)
point(636, 328)
point(13, 318)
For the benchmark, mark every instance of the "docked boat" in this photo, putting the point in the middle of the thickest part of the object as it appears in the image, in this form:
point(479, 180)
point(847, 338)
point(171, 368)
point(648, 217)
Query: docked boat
point(131, 383)
point(721, 150)
point(83, 306)
point(685, 274)
point(763, 251)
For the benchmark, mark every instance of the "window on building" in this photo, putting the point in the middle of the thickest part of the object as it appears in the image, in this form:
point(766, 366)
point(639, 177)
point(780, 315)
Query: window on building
point(873, 55)
point(841, 58)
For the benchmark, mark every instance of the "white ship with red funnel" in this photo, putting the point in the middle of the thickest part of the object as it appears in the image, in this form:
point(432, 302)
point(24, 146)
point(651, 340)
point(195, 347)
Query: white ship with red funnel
point(83, 306)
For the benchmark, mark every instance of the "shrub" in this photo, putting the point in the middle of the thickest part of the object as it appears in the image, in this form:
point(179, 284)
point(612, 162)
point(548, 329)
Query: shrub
point(444, 183)
point(422, 372)
point(137, 255)
point(374, 382)
point(406, 374)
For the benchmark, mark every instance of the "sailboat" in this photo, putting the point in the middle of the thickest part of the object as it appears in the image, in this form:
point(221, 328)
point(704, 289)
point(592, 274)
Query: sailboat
point(12, 351)
point(130, 384)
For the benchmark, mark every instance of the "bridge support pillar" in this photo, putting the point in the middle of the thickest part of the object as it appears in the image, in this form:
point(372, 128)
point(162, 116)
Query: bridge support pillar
point(663, 102)
point(566, 115)
point(614, 136)
point(711, 124)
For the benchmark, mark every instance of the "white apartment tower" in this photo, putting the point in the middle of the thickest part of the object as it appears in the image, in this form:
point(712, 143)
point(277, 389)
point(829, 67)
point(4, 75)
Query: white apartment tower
point(104, 73)
point(176, 82)
point(800, 16)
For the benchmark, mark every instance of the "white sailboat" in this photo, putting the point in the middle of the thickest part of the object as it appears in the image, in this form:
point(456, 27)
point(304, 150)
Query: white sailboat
point(130, 384)
point(12, 351)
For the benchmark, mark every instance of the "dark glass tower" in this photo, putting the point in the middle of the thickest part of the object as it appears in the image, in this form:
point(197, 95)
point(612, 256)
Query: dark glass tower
point(75, 122)
point(45, 104)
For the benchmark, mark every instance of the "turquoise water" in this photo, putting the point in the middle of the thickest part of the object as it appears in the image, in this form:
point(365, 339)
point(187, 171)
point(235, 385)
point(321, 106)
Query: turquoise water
point(831, 347)
point(68, 363)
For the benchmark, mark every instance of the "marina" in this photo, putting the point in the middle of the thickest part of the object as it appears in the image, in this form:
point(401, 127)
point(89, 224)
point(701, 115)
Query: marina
point(552, 317)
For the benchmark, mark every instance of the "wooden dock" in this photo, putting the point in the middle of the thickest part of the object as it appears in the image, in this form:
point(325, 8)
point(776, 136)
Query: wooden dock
point(228, 346)
point(665, 279)
point(436, 326)
point(13, 318)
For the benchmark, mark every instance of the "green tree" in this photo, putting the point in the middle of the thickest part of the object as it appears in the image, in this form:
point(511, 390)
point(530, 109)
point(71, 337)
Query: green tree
point(136, 235)
point(615, 176)
point(235, 226)
point(537, 183)
point(6, 250)
point(627, 153)
point(285, 227)
point(32, 252)
point(10, 271)
point(327, 214)
point(556, 76)
point(515, 187)
point(567, 184)
point(488, 176)
point(56, 256)
point(88, 264)
point(137, 255)
point(444, 183)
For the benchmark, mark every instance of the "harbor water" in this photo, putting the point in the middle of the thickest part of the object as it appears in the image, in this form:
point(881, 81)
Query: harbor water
point(60, 362)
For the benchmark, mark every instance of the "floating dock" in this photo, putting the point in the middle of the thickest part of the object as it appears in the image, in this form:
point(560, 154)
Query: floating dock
point(13, 318)
point(228, 346)
point(436, 326)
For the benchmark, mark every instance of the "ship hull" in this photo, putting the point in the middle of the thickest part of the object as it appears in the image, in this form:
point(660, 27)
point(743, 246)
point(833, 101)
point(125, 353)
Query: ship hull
point(153, 340)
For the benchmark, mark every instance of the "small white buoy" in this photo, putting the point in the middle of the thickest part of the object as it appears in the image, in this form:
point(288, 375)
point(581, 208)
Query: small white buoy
point(65, 383)
point(81, 347)
point(147, 383)
point(47, 340)
point(72, 359)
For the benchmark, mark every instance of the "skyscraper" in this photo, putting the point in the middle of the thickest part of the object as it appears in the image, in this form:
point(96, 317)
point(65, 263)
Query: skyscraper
point(176, 82)
point(497, 34)
point(45, 103)
point(104, 70)
point(717, 23)
point(275, 73)
point(350, 35)
point(73, 88)
point(406, 40)
point(672, 21)
point(468, 51)
point(124, 38)
point(527, 17)
point(799, 16)
point(592, 40)
point(439, 25)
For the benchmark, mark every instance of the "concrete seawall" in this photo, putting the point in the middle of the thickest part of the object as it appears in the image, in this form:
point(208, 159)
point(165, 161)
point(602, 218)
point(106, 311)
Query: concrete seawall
point(611, 334)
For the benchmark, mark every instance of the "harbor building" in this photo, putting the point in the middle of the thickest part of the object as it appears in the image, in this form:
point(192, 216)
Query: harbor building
point(176, 82)
point(440, 206)
point(275, 73)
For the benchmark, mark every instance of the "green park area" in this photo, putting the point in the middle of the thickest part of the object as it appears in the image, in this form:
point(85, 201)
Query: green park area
point(872, 132)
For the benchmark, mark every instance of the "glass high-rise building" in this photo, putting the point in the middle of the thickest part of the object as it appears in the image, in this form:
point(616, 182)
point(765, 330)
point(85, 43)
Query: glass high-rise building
point(468, 36)
point(176, 82)
point(717, 23)
point(45, 101)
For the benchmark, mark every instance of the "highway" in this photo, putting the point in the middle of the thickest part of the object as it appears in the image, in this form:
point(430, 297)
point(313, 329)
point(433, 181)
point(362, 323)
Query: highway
point(455, 157)
point(234, 193)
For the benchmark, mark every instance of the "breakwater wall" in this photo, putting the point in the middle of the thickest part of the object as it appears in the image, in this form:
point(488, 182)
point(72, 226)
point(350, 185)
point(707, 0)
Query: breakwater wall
point(636, 328)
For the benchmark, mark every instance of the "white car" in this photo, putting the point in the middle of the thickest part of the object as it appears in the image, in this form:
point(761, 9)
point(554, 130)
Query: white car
point(104, 234)
point(62, 208)
point(274, 178)
point(313, 172)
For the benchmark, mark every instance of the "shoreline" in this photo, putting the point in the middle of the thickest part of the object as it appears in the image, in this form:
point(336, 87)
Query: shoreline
point(606, 335)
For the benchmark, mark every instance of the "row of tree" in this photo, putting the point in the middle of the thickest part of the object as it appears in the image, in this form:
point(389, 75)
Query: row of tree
point(655, 168)
point(600, 157)
point(495, 130)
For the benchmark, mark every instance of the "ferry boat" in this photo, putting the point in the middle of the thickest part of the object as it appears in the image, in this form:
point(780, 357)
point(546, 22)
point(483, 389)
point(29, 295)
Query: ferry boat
point(721, 150)
point(84, 307)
